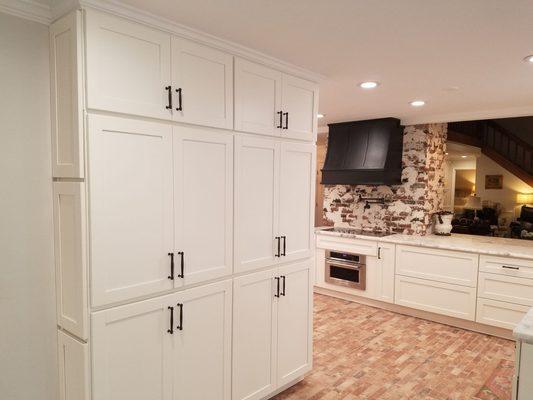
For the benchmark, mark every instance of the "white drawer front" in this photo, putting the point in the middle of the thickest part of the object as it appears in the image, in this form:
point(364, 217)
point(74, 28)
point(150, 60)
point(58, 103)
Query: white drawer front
point(357, 246)
point(499, 313)
point(441, 298)
point(506, 288)
point(438, 265)
point(506, 266)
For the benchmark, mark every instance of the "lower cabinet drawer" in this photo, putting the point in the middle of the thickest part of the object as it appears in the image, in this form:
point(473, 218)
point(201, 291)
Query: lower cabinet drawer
point(437, 297)
point(506, 288)
point(499, 313)
point(73, 357)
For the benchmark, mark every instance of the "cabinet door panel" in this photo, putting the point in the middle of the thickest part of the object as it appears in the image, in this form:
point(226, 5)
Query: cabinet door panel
point(203, 202)
point(202, 351)
point(130, 187)
point(128, 66)
point(300, 100)
point(297, 189)
point(256, 202)
point(385, 278)
point(254, 335)
point(294, 323)
point(73, 363)
point(257, 98)
point(205, 76)
point(132, 351)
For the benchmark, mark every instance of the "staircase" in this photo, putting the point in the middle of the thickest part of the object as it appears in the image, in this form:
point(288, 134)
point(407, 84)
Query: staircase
point(497, 143)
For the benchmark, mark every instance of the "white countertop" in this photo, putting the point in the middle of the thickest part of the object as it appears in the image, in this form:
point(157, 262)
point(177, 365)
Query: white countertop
point(495, 246)
point(524, 329)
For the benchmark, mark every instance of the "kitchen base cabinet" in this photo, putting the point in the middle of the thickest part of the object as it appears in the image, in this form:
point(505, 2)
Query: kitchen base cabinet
point(499, 313)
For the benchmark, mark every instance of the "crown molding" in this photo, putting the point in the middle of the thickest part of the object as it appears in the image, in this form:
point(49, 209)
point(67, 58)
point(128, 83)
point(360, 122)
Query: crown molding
point(27, 9)
point(165, 24)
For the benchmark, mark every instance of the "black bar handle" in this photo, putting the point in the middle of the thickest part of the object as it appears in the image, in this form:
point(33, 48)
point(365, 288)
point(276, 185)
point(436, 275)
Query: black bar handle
point(379, 253)
point(171, 330)
point(286, 120)
point(182, 265)
point(283, 290)
point(171, 276)
point(284, 246)
point(508, 267)
point(279, 241)
point(180, 104)
point(280, 113)
point(169, 89)
point(277, 286)
point(180, 326)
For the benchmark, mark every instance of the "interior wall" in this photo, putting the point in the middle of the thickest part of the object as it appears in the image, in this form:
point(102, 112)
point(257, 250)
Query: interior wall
point(28, 366)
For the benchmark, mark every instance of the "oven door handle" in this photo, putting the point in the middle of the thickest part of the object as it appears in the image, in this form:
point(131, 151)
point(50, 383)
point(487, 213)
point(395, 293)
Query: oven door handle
point(331, 261)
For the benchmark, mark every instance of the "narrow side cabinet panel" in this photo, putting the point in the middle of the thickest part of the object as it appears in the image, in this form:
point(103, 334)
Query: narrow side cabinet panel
point(70, 257)
point(73, 359)
point(67, 96)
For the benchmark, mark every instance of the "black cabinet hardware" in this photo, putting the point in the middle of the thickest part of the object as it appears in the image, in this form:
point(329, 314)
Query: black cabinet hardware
point(283, 290)
point(279, 241)
point(277, 286)
point(180, 326)
point(171, 330)
point(508, 267)
point(286, 121)
point(284, 246)
point(280, 113)
point(180, 104)
point(171, 276)
point(169, 89)
point(182, 265)
point(379, 253)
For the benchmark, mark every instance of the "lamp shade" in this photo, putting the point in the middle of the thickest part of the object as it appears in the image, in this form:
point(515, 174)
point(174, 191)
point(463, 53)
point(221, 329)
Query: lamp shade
point(473, 203)
point(524, 198)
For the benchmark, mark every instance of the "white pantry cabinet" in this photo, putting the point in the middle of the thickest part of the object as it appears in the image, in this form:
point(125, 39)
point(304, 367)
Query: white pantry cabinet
point(203, 204)
point(202, 84)
point(130, 202)
point(272, 342)
point(274, 191)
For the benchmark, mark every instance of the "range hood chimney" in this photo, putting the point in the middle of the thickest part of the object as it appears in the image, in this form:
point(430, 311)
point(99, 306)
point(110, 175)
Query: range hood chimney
point(364, 153)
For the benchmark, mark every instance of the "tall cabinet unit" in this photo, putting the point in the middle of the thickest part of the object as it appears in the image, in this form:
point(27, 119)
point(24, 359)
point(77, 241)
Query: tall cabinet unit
point(182, 237)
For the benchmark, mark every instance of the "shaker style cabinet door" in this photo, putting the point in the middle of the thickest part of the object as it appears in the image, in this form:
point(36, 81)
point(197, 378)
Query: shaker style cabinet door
point(297, 190)
point(202, 84)
point(132, 351)
point(130, 197)
point(294, 322)
point(128, 66)
point(300, 105)
point(254, 335)
point(256, 202)
point(257, 98)
point(203, 204)
point(202, 343)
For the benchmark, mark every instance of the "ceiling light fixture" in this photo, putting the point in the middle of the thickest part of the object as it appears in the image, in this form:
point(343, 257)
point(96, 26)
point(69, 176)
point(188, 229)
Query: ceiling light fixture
point(417, 103)
point(529, 59)
point(369, 85)
point(463, 156)
point(320, 116)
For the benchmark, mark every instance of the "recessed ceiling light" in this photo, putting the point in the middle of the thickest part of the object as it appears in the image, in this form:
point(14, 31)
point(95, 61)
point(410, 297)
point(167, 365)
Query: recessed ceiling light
point(463, 156)
point(529, 59)
point(320, 115)
point(417, 103)
point(369, 85)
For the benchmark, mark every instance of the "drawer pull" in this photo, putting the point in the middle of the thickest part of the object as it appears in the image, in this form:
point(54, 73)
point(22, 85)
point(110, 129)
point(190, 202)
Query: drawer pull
point(508, 267)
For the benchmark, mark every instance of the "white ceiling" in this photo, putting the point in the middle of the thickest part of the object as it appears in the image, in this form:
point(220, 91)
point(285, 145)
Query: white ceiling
point(464, 57)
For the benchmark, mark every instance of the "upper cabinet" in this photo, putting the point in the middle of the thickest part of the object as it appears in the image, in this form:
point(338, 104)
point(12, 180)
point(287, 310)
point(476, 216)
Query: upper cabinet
point(202, 84)
point(269, 102)
point(128, 66)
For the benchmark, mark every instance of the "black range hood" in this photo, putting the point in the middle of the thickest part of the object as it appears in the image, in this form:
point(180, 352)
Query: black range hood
point(364, 153)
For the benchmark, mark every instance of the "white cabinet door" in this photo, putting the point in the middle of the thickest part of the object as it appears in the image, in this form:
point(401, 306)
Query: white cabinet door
point(296, 199)
point(257, 98)
point(256, 202)
point(385, 272)
point(70, 257)
point(130, 191)
point(203, 203)
point(128, 66)
point(73, 362)
point(294, 322)
point(254, 335)
point(202, 84)
point(300, 107)
point(132, 351)
point(202, 343)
